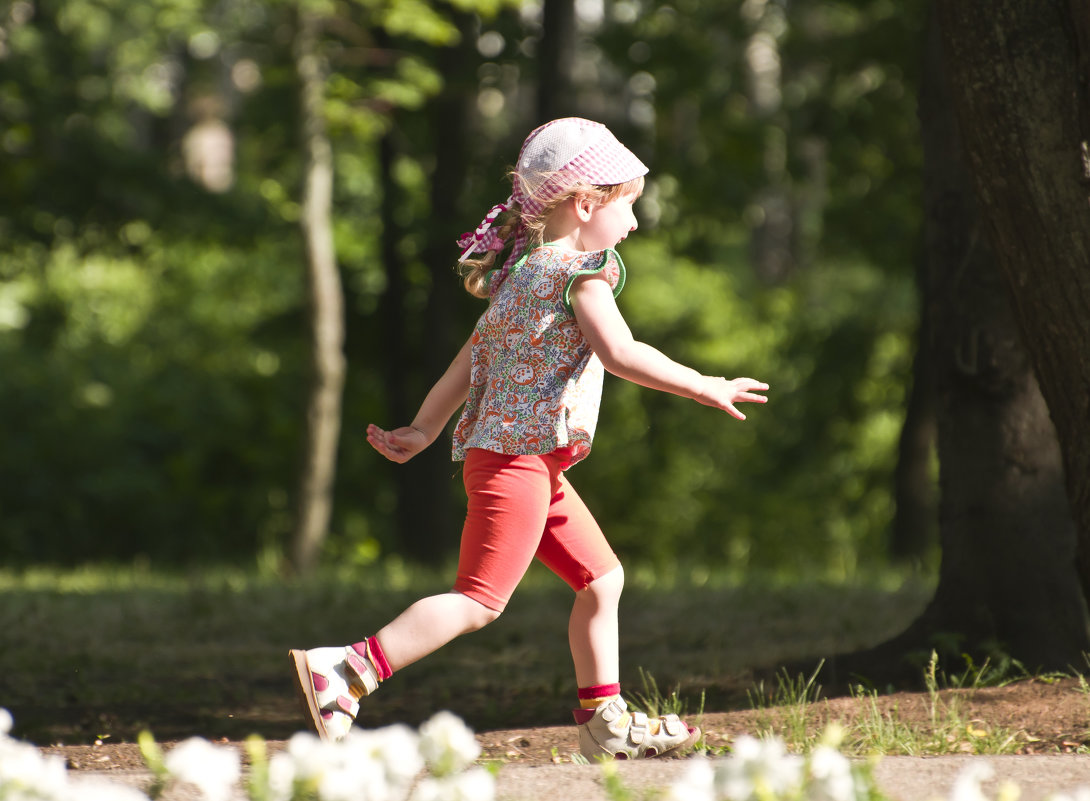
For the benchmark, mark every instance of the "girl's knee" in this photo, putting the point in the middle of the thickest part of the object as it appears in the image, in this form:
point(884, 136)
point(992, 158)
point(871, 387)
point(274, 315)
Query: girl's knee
point(608, 586)
point(487, 616)
point(478, 615)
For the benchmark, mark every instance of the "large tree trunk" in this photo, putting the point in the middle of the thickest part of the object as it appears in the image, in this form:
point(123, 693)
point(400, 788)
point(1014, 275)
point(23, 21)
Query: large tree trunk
point(1007, 582)
point(326, 312)
point(1020, 86)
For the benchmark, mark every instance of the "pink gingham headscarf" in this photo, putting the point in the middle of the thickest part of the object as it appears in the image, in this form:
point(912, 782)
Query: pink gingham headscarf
point(555, 157)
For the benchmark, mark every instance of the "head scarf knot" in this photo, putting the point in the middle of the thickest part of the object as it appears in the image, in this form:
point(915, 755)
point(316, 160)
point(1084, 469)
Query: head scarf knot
point(555, 158)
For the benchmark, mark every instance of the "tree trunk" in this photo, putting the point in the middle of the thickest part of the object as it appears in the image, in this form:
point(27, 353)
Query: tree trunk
point(1007, 582)
point(326, 308)
point(556, 57)
point(395, 345)
point(1020, 85)
point(914, 525)
point(428, 517)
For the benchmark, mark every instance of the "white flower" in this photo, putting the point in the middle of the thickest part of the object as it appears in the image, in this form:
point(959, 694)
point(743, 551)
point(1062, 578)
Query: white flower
point(967, 784)
point(475, 784)
point(365, 766)
point(758, 768)
point(831, 777)
point(214, 771)
point(26, 773)
point(6, 722)
point(309, 756)
point(447, 744)
point(398, 749)
point(281, 777)
point(1078, 794)
point(355, 781)
point(696, 784)
point(97, 789)
point(354, 771)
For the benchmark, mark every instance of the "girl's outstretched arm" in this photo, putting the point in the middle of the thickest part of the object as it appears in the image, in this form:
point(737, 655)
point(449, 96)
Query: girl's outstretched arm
point(444, 399)
point(608, 334)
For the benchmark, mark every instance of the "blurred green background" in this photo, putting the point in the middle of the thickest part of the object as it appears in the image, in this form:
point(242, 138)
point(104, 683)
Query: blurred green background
point(153, 345)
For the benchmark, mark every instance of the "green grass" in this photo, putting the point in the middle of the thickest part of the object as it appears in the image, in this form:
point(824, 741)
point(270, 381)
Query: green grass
point(793, 710)
point(104, 651)
point(794, 700)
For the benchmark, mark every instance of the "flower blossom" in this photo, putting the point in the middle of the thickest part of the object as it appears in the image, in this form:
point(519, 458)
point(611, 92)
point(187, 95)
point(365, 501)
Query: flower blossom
point(447, 744)
point(213, 770)
point(758, 769)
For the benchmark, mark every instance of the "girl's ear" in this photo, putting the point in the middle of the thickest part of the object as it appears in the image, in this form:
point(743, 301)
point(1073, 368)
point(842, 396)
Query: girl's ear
point(584, 207)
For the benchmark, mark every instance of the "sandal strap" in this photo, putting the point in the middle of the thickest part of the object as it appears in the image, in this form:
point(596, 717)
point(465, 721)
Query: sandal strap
point(359, 672)
point(614, 731)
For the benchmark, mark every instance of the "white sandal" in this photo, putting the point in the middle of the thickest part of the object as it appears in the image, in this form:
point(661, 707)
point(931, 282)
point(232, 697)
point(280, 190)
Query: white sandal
point(612, 732)
point(330, 682)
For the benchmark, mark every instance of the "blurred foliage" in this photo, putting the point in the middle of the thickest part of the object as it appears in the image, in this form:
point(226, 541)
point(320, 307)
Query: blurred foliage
point(151, 310)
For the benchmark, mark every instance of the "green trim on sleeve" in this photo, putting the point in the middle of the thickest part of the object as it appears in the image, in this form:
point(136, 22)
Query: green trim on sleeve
point(605, 260)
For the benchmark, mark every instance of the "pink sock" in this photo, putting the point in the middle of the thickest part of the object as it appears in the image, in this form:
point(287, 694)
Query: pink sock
point(590, 697)
point(372, 651)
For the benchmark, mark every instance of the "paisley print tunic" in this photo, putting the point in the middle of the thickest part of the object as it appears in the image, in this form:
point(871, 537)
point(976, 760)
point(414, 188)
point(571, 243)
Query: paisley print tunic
point(535, 384)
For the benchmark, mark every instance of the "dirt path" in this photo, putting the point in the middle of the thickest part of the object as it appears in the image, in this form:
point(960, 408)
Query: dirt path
point(1044, 724)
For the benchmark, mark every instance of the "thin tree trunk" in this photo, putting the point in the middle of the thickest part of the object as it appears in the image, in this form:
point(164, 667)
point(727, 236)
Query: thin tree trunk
point(914, 525)
point(428, 518)
point(326, 308)
point(395, 348)
point(556, 57)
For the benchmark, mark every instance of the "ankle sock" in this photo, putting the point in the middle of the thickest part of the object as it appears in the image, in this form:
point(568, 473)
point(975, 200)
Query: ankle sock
point(595, 696)
point(373, 657)
point(372, 661)
point(592, 697)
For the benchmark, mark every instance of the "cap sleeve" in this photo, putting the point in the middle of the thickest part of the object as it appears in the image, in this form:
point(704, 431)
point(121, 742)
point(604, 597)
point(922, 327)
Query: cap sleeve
point(606, 263)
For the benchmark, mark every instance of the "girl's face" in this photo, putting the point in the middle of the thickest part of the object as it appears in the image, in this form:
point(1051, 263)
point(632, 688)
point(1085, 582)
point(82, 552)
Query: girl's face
point(607, 223)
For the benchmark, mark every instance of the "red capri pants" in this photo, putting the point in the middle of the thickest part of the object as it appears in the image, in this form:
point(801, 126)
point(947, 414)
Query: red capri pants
point(521, 507)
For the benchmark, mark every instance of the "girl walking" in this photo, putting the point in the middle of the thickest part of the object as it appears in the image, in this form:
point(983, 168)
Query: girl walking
point(528, 381)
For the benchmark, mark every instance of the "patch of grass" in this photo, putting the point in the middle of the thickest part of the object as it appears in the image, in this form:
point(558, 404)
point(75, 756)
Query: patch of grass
point(795, 699)
point(653, 702)
point(797, 715)
point(100, 651)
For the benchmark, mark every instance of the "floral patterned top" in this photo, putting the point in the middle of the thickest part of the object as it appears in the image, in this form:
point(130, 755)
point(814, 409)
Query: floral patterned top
point(535, 384)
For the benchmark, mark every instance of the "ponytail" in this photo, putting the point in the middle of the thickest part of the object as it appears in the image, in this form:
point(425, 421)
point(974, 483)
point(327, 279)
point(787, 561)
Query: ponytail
point(475, 271)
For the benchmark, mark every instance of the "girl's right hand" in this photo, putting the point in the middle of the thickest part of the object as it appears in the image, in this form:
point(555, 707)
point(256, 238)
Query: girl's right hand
point(723, 394)
point(399, 445)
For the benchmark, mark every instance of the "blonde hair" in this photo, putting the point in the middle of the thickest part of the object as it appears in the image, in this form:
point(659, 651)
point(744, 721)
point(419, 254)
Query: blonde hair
point(475, 272)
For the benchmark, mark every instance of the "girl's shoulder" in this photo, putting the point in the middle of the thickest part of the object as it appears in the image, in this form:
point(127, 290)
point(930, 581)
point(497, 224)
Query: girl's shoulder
point(560, 267)
point(573, 261)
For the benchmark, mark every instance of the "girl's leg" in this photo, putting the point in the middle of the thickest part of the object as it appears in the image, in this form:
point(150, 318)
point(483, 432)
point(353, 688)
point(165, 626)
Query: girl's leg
point(575, 548)
point(430, 623)
point(592, 631)
point(509, 499)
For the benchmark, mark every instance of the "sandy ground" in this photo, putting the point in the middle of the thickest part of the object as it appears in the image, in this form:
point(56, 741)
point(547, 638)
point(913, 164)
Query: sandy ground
point(900, 778)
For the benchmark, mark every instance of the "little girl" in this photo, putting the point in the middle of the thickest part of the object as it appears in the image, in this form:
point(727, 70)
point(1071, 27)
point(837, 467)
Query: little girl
point(528, 381)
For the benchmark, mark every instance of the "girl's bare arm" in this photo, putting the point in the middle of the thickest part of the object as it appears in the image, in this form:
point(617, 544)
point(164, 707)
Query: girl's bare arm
point(445, 398)
point(608, 334)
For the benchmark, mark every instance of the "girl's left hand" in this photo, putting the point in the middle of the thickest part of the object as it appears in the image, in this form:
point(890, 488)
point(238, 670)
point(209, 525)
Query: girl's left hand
point(723, 394)
point(399, 445)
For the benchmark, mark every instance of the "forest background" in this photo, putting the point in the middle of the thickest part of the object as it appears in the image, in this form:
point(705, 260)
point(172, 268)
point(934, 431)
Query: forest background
point(155, 327)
